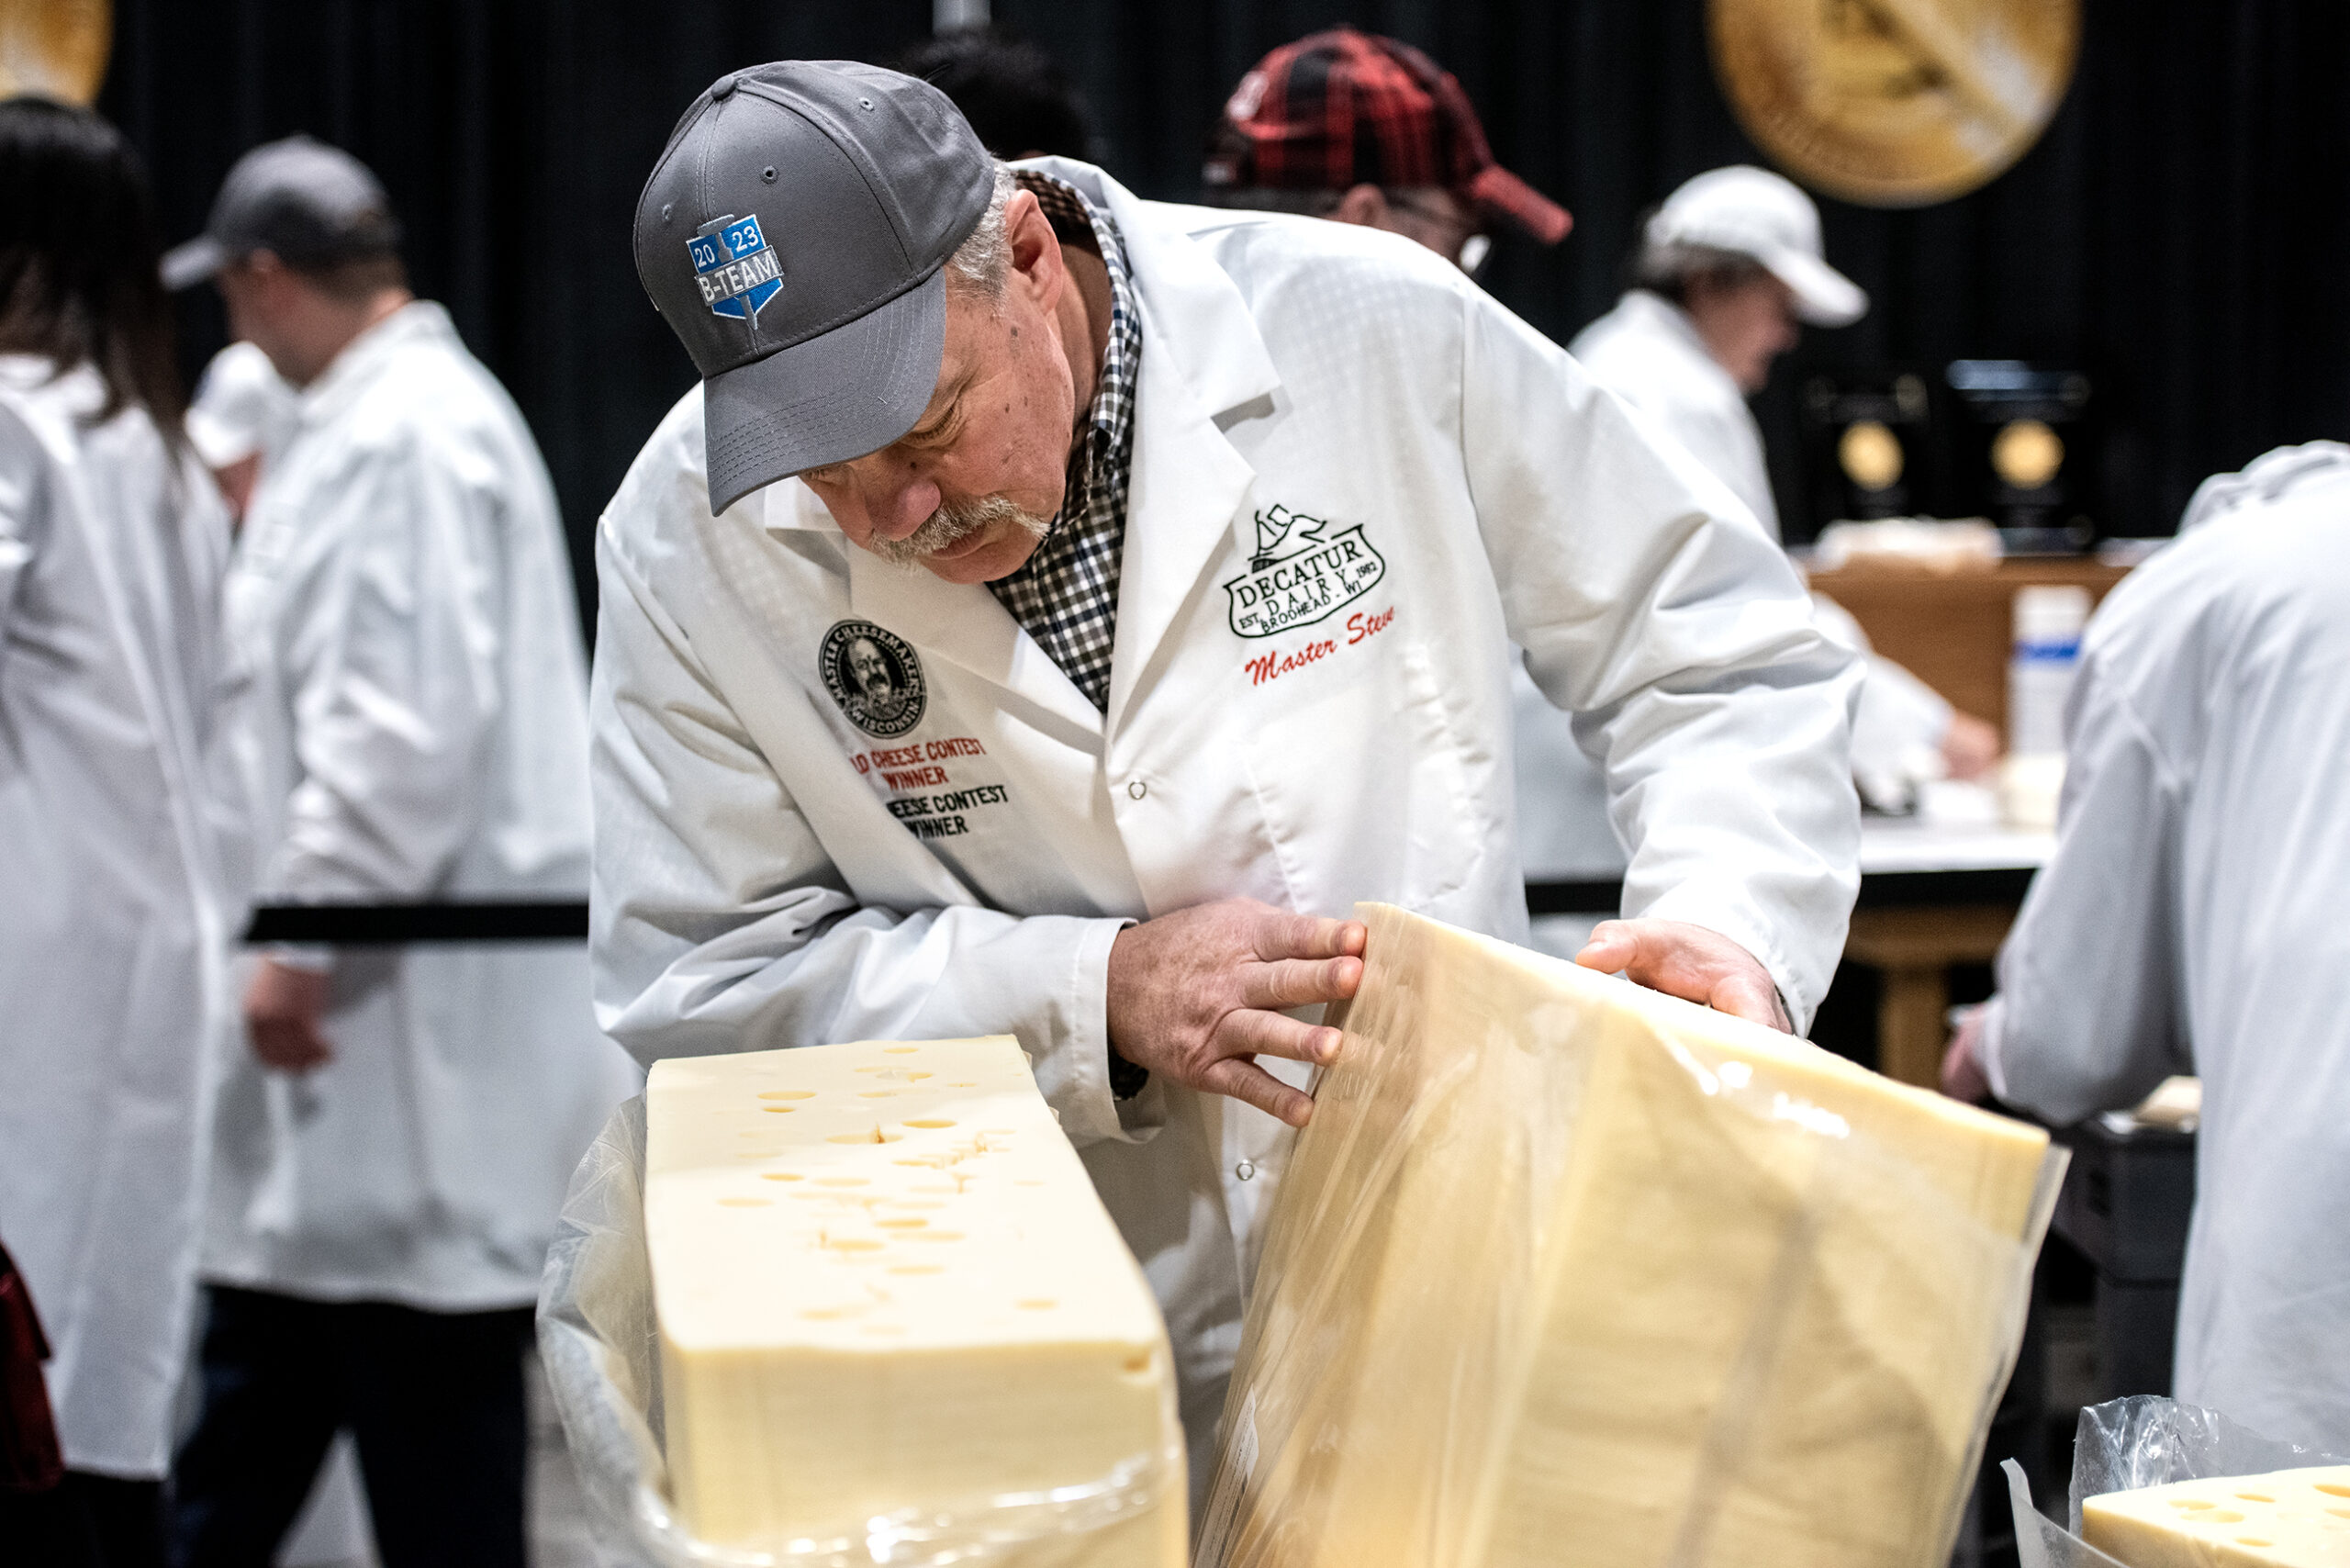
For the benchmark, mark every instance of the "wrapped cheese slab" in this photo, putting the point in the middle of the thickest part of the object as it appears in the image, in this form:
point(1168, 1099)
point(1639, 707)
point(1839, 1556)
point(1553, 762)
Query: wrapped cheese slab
point(1568, 1273)
point(893, 1315)
point(2287, 1518)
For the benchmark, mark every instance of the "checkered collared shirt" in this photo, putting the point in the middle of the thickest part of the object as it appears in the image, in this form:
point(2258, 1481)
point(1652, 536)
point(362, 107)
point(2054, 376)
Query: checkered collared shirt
point(1065, 596)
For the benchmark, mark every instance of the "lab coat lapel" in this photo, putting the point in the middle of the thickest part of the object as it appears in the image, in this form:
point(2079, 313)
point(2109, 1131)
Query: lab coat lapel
point(1201, 358)
point(965, 625)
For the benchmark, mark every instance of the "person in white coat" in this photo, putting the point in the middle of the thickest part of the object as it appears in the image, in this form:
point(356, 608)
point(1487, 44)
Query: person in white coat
point(2191, 920)
point(1728, 272)
point(411, 720)
point(117, 909)
point(1055, 611)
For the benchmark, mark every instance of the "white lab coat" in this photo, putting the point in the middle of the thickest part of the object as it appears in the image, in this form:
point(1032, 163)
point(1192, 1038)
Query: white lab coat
point(2192, 922)
point(242, 408)
point(116, 920)
point(411, 720)
point(755, 887)
point(1647, 352)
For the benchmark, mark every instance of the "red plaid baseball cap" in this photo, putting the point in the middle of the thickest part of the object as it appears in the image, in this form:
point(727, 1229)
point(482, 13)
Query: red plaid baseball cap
point(1343, 108)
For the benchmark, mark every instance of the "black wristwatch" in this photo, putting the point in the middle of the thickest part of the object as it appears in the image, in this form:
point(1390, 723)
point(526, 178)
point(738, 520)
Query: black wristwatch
point(1126, 1080)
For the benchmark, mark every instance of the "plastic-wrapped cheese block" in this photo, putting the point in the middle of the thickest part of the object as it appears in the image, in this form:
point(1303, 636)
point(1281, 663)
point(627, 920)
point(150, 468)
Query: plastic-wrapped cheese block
point(891, 1306)
point(1567, 1272)
point(2287, 1519)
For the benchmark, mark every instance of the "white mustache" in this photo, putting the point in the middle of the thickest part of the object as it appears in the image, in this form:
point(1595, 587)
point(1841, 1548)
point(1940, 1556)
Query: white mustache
point(954, 521)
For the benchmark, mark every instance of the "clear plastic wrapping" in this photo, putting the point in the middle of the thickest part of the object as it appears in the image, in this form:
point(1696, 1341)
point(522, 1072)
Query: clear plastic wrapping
point(2124, 1445)
point(600, 1343)
point(1567, 1272)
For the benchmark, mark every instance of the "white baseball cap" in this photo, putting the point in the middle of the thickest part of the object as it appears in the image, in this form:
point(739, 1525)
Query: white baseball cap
point(1753, 212)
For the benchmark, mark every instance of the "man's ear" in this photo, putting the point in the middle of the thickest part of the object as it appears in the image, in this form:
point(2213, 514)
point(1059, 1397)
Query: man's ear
point(1364, 204)
point(266, 274)
point(1036, 265)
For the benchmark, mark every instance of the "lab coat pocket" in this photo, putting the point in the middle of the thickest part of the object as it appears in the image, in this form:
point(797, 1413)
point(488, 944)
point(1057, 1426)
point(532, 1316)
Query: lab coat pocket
point(1406, 820)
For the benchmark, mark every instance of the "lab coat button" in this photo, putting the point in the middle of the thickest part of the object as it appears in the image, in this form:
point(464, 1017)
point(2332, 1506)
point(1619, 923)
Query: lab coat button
point(1138, 789)
point(1244, 1170)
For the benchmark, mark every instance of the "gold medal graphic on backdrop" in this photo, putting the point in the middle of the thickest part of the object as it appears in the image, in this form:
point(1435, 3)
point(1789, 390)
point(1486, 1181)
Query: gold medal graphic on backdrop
point(1895, 102)
point(54, 47)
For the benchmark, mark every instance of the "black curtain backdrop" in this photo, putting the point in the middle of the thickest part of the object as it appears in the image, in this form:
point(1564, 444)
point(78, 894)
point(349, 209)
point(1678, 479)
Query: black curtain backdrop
point(2180, 233)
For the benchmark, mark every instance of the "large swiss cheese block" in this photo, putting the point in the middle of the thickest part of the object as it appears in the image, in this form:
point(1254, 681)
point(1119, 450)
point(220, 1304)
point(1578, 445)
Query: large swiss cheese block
point(1568, 1273)
point(2287, 1519)
point(886, 1289)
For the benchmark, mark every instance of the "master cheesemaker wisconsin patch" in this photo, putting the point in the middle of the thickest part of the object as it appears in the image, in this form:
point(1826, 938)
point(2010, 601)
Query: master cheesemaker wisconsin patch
point(1300, 572)
point(873, 674)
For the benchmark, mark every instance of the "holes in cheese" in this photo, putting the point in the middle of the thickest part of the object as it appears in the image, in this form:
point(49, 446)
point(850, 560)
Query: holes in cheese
point(2277, 1521)
point(890, 1294)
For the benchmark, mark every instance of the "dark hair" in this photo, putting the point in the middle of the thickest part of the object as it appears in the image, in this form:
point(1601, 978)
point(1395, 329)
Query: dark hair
point(1271, 199)
point(1016, 97)
point(80, 267)
point(357, 280)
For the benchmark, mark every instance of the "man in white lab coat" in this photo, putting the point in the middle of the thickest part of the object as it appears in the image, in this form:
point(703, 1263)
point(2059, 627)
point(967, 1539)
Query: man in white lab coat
point(2192, 922)
point(1196, 540)
point(391, 1151)
point(1728, 269)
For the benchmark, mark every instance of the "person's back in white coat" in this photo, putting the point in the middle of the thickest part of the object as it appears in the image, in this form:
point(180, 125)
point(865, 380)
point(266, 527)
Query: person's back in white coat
point(411, 719)
point(2192, 922)
point(115, 918)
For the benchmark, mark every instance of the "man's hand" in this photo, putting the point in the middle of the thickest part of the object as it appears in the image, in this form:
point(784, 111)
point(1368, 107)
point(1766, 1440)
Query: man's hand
point(1963, 1074)
point(1970, 747)
point(282, 1006)
point(1196, 996)
point(1689, 961)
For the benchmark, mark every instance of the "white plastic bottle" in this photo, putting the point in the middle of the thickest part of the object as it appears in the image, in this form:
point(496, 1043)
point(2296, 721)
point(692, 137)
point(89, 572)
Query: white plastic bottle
point(2048, 620)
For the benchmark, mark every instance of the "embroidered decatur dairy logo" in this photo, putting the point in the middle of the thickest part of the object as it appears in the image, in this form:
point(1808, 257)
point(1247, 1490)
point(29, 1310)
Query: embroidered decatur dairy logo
point(874, 676)
point(1300, 573)
point(737, 273)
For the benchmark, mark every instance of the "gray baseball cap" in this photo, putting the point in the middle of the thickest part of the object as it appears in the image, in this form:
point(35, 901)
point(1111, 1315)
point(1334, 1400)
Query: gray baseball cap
point(312, 205)
point(793, 235)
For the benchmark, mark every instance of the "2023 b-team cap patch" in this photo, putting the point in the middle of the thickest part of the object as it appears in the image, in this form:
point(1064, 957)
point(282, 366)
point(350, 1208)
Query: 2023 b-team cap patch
point(734, 268)
point(873, 674)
